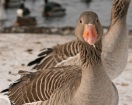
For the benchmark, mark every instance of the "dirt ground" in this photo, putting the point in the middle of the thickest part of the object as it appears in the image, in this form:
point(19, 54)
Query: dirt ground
point(16, 50)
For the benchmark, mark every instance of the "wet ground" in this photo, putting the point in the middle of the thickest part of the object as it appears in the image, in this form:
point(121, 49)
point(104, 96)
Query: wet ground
point(73, 10)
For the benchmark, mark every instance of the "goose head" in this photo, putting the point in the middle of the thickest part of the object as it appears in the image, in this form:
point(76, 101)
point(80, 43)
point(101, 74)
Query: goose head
point(22, 6)
point(46, 1)
point(88, 28)
point(20, 10)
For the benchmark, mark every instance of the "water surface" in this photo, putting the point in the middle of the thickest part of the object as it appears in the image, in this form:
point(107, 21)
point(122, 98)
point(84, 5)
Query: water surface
point(73, 10)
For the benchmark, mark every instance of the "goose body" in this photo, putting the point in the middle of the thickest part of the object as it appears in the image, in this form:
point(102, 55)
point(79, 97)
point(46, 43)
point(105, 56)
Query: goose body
point(25, 21)
point(115, 53)
point(53, 9)
point(11, 3)
point(115, 46)
point(87, 84)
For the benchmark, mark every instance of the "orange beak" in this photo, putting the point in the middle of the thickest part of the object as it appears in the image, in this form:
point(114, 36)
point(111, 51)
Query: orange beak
point(90, 33)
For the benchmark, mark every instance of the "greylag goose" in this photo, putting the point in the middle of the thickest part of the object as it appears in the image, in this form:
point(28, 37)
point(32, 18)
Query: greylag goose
point(115, 46)
point(53, 9)
point(87, 84)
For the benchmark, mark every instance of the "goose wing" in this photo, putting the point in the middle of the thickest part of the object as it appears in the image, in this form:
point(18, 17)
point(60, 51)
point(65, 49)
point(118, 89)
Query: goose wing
point(40, 85)
point(50, 57)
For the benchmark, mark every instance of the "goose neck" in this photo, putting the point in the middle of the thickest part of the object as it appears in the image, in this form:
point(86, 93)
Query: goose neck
point(90, 55)
point(94, 79)
point(119, 11)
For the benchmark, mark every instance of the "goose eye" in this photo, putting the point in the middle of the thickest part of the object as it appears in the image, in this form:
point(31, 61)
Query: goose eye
point(97, 20)
point(80, 21)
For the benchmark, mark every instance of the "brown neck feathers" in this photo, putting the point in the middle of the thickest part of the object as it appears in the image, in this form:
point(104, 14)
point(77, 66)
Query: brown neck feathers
point(89, 54)
point(119, 10)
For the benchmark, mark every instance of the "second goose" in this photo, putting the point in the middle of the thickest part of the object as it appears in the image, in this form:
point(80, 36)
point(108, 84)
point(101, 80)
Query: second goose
point(115, 46)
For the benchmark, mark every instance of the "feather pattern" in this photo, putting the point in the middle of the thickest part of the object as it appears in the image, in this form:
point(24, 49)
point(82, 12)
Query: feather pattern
point(40, 85)
point(119, 9)
point(51, 57)
point(61, 85)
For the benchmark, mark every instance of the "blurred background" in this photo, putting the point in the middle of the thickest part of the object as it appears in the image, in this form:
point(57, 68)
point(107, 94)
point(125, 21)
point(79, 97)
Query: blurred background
point(72, 9)
point(43, 18)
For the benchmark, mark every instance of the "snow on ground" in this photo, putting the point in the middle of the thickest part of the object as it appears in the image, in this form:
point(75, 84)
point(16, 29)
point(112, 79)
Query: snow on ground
point(16, 50)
